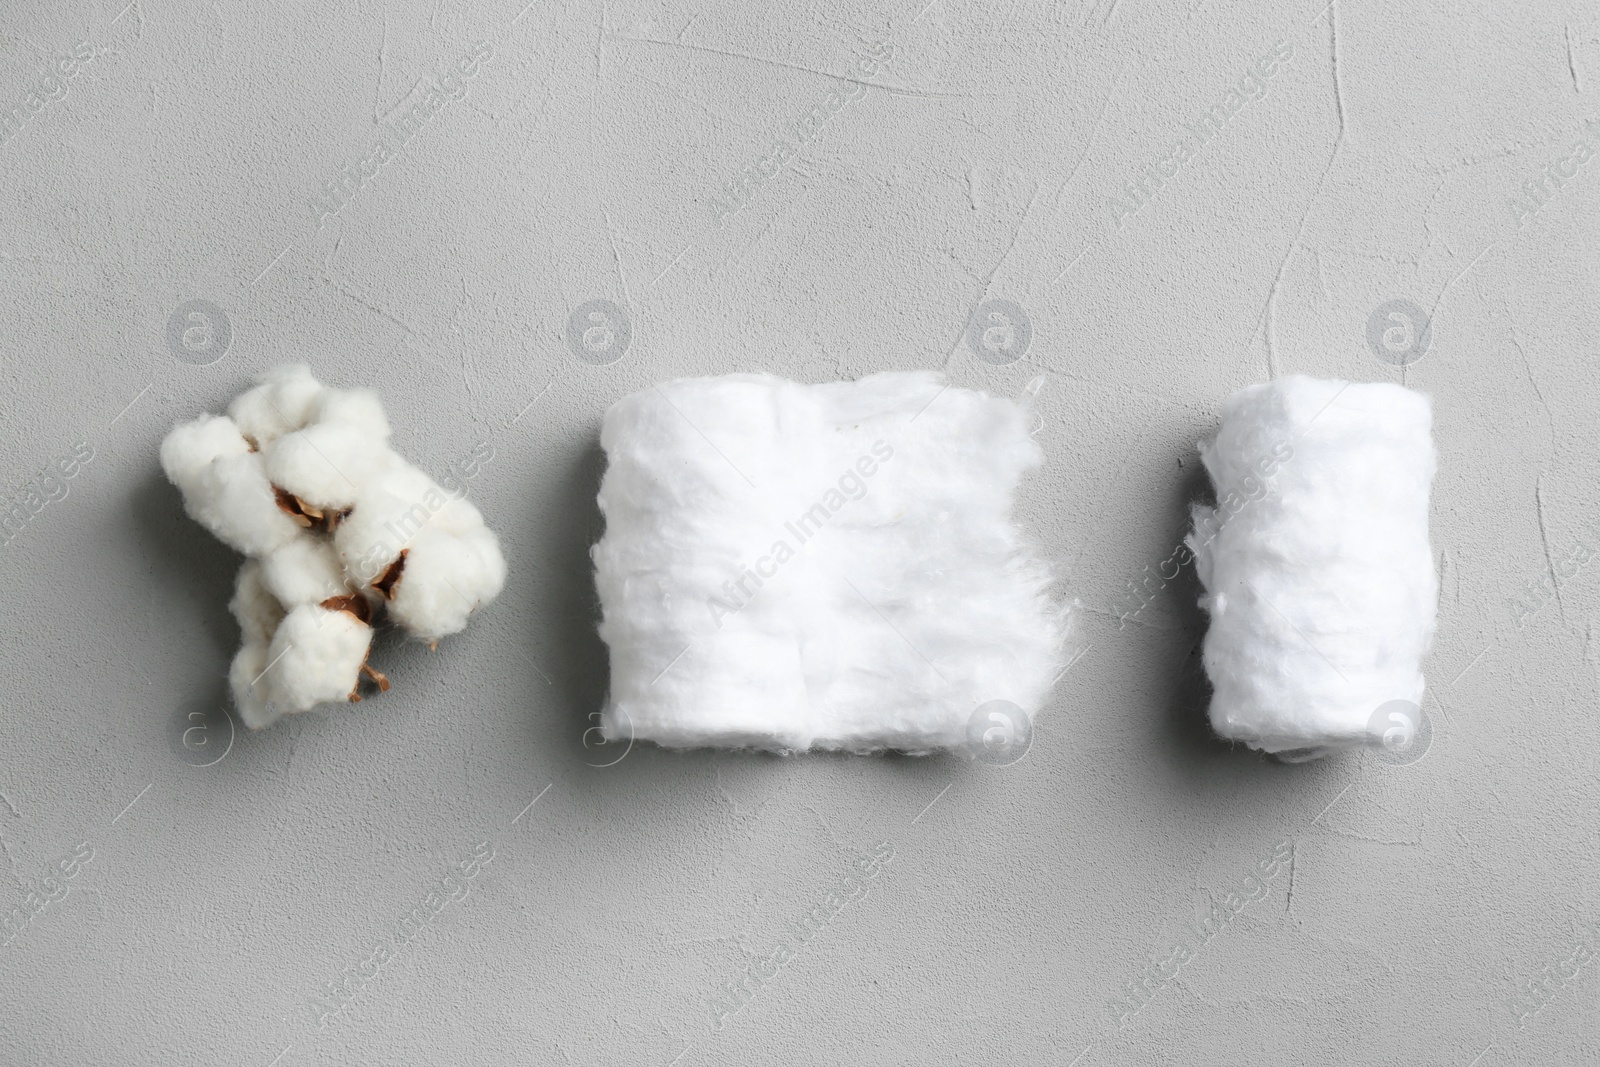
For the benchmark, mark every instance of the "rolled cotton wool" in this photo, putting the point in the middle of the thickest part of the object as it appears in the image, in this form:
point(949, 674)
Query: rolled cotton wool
point(1318, 575)
point(791, 567)
point(300, 477)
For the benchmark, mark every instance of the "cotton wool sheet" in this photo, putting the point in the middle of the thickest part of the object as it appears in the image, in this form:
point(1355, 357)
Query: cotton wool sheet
point(1318, 574)
point(791, 567)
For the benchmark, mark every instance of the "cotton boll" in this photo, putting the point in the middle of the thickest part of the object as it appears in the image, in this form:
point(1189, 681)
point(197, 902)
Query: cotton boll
point(359, 408)
point(393, 507)
point(327, 463)
point(304, 571)
point(458, 516)
point(255, 608)
point(251, 684)
point(232, 498)
point(1316, 563)
point(301, 479)
point(259, 614)
point(443, 578)
point(192, 446)
point(280, 402)
point(835, 566)
point(316, 656)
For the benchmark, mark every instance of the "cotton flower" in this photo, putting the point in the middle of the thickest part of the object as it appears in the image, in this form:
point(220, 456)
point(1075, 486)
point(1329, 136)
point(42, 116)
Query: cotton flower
point(445, 577)
point(321, 652)
point(338, 527)
point(225, 486)
point(426, 552)
point(280, 402)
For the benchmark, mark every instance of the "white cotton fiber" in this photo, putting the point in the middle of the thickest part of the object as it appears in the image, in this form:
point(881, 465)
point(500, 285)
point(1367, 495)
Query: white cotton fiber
point(832, 566)
point(258, 613)
point(327, 463)
point(232, 498)
point(247, 678)
point(254, 608)
point(444, 579)
point(1318, 574)
point(280, 402)
point(317, 655)
point(395, 505)
point(224, 486)
point(356, 407)
point(192, 446)
point(301, 478)
point(304, 571)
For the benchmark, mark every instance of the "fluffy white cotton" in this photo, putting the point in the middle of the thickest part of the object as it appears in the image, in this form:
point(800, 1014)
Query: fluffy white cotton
point(327, 463)
point(835, 566)
point(445, 578)
point(192, 446)
point(247, 678)
point(253, 606)
point(258, 613)
point(1318, 574)
point(231, 496)
point(302, 479)
point(395, 505)
point(316, 656)
point(360, 408)
point(400, 504)
point(304, 571)
point(281, 401)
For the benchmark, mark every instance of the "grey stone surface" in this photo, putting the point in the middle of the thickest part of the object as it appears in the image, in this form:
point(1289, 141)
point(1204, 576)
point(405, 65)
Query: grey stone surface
point(1439, 911)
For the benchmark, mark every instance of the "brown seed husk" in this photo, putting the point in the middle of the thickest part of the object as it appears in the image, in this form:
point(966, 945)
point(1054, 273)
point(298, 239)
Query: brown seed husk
point(354, 603)
point(307, 515)
point(386, 581)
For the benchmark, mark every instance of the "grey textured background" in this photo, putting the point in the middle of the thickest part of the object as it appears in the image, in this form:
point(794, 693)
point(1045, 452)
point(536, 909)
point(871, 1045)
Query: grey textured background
point(1427, 909)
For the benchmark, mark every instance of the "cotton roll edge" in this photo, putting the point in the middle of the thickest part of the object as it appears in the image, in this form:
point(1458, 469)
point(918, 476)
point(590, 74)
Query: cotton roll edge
point(1317, 571)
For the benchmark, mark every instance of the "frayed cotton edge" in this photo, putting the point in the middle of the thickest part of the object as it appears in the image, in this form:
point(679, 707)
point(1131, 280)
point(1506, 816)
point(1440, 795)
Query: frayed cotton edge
point(791, 437)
